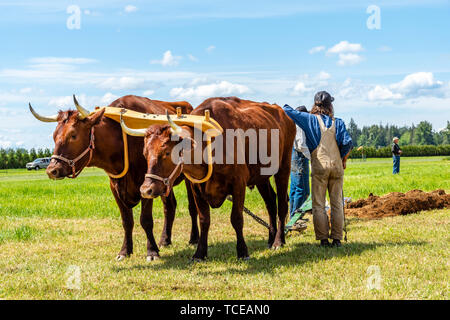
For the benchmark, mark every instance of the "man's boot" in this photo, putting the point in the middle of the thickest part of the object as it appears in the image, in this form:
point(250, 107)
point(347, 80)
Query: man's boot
point(324, 243)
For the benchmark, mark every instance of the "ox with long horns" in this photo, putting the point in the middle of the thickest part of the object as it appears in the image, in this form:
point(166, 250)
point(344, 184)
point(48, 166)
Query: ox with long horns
point(234, 115)
point(90, 139)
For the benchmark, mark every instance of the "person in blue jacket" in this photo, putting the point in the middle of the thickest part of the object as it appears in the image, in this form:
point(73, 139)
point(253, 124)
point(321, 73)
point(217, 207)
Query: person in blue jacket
point(329, 144)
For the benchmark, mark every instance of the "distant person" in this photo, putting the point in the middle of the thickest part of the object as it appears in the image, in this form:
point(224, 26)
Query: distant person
point(396, 152)
point(299, 190)
point(329, 144)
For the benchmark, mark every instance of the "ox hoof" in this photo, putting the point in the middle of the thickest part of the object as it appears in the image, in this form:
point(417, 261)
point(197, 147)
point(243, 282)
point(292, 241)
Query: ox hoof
point(244, 258)
point(120, 257)
point(152, 258)
point(198, 259)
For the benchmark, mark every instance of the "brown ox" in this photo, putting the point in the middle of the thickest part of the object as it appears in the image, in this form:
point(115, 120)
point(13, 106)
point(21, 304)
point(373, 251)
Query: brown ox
point(72, 139)
point(227, 179)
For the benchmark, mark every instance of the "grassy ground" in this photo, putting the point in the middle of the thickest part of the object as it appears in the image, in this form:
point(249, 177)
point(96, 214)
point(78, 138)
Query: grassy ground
point(51, 232)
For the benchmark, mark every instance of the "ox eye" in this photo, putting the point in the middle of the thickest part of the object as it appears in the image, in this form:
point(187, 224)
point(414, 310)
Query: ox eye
point(167, 153)
point(74, 136)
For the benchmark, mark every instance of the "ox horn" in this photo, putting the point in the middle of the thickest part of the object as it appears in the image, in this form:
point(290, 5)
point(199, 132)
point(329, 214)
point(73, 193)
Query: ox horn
point(175, 128)
point(83, 113)
point(132, 132)
point(53, 118)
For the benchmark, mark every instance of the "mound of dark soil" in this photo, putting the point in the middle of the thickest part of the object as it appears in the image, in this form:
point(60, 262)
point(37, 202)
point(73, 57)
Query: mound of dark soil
point(397, 203)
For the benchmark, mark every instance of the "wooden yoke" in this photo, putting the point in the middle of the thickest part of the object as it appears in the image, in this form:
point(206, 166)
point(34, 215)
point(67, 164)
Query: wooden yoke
point(138, 120)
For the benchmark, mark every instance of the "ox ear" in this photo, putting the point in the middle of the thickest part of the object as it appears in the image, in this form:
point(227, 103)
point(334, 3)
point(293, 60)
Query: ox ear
point(96, 117)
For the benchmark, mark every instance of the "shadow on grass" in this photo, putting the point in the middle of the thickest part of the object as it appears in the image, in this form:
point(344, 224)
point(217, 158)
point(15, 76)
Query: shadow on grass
point(261, 259)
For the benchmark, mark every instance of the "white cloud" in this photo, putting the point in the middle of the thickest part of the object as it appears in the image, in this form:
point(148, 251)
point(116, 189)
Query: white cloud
point(108, 98)
point(148, 92)
point(308, 84)
point(323, 75)
point(60, 60)
point(344, 47)
point(192, 58)
point(4, 143)
point(316, 49)
point(210, 49)
point(130, 8)
point(65, 101)
point(25, 90)
point(382, 93)
point(122, 83)
point(222, 88)
point(416, 84)
point(88, 102)
point(300, 88)
point(384, 49)
point(348, 59)
point(168, 59)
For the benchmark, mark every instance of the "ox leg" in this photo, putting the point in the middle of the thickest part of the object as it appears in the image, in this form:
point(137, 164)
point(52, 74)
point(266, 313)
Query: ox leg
point(128, 223)
point(193, 213)
point(237, 220)
point(170, 206)
point(147, 225)
point(281, 181)
point(204, 216)
point(270, 199)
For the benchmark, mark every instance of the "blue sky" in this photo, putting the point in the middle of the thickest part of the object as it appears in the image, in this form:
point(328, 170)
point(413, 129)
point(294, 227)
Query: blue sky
point(275, 51)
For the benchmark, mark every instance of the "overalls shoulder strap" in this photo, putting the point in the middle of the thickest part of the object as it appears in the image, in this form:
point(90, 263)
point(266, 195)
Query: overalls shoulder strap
point(322, 124)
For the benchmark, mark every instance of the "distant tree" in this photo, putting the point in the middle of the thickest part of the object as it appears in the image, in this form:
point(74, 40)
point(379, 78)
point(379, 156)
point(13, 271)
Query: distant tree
point(405, 138)
point(47, 152)
point(446, 134)
point(412, 133)
point(33, 154)
point(424, 134)
point(3, 159)
point(40, 153)
point(353, 131)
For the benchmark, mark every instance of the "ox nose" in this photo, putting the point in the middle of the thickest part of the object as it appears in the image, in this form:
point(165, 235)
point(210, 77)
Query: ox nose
point(147, 191)
point(53, 172)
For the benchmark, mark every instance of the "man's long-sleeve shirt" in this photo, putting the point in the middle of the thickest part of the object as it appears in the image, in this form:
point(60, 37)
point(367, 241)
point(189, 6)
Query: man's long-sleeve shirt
point(300, 143)
point(311, 127)
point(395, 149)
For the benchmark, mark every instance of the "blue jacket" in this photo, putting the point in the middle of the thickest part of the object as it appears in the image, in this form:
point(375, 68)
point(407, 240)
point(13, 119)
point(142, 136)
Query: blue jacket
point(311, 126)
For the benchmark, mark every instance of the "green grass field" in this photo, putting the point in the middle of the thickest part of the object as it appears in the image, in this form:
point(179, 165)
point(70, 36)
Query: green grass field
point(51, 231)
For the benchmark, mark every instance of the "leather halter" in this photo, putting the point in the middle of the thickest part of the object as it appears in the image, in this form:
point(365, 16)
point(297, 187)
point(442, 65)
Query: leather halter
point(72, 163)
point(168, 182)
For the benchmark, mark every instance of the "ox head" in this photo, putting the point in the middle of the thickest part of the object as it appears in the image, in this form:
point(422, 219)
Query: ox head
point(163, 152)
point(71, 136)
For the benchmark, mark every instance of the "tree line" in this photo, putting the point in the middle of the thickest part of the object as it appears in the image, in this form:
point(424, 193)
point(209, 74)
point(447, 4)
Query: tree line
point(381, 135)
point(18, 158)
